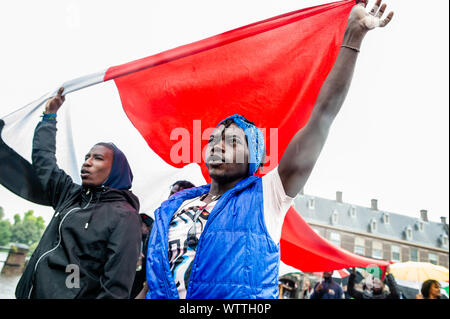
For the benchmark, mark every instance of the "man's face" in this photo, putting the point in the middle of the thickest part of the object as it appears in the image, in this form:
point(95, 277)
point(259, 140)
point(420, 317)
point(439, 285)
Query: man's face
point(227, 154)
point(327, 274)
point(144, 228)
point(97, 166)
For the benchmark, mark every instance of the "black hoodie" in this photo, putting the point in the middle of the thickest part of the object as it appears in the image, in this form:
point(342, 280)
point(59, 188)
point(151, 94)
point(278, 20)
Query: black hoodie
point(92, 244)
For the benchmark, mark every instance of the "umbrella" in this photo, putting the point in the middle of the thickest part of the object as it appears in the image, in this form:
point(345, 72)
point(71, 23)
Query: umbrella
point(444, 288)
point(361, 274)
point(419, 271)
point(341, 273)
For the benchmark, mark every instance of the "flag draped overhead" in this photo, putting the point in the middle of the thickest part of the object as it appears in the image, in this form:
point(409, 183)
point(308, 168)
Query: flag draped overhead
point(270, 72)
point(302, 248)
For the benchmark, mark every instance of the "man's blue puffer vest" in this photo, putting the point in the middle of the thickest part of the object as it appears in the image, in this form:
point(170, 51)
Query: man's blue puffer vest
point(236, 257)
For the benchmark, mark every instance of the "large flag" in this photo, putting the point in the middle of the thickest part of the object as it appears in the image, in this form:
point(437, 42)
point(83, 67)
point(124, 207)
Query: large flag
point(269, 71)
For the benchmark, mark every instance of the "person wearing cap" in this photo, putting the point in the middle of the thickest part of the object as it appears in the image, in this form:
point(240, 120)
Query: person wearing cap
point(222, 240)
point(91, 246)
point(374, 287)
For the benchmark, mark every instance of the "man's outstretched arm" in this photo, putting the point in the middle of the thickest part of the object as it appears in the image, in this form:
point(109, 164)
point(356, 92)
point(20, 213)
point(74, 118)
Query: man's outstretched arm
point(303, 150)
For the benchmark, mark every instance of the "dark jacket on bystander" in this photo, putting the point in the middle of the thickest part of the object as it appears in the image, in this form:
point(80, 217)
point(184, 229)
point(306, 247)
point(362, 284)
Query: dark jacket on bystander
point(91, 246)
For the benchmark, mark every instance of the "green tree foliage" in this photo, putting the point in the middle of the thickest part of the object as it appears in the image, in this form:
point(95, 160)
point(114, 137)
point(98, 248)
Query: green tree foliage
point(5, 229)
point(27, 230)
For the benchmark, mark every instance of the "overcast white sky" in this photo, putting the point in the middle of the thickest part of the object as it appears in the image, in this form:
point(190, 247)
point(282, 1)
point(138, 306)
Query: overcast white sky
point(389, 142)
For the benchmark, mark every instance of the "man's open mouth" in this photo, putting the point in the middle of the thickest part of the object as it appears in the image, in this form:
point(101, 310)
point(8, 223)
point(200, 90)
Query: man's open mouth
point(215, 160)
point(84, 173)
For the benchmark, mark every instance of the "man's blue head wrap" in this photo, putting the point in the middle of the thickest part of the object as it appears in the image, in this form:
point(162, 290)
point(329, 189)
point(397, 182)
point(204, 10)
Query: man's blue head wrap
point(255, 141)
point(120, 176)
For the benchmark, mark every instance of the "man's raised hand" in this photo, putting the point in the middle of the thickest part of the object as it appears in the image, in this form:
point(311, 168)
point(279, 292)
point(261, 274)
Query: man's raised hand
point(365, 21)
point(55, 103)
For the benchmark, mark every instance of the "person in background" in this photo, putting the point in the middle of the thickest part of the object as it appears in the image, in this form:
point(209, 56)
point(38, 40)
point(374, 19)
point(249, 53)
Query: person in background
point(328, 288)
point(431, 289)
point(179, 186)
point(374, 288)
point(139, 279)
point(307, 290)
point(140, 284)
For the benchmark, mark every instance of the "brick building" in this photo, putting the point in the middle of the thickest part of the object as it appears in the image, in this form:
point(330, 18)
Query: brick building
point(373, 233)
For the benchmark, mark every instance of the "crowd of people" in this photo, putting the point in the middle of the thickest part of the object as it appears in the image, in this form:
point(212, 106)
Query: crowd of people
point(369, 287)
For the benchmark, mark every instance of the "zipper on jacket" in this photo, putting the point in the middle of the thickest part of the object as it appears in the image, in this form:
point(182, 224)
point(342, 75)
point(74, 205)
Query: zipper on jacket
point(59, 241)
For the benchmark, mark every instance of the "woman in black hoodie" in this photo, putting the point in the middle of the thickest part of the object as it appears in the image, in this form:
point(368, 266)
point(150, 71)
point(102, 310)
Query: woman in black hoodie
point(91, 246)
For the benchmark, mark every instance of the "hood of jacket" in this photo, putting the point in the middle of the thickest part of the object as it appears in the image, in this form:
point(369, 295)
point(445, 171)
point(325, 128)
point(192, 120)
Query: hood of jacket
point(108, 194)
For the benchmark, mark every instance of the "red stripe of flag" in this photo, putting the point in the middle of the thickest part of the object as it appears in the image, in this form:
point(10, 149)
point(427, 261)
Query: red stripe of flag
point(270, 72)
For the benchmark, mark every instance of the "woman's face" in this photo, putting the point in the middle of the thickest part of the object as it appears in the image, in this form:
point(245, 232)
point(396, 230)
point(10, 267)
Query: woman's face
point(435, 291)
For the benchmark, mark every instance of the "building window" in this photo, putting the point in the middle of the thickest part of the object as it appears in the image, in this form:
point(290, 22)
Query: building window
point(432, 258)
point(352, 211)
point(334, 217)
point(386, 218)
point(335, 238)
point(420, 225)
point(408, 232)
point(360, 246)
point(444, 241)
point(395, 253)
point(413, 254)
point(373, 225)
point(377, 250)
point(311, 203)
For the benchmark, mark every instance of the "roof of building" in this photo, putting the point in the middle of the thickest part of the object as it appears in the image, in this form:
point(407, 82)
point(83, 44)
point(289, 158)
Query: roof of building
point(432, 233)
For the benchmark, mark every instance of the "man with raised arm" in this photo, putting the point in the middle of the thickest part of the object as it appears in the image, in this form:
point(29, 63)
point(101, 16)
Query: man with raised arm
point(222, 240)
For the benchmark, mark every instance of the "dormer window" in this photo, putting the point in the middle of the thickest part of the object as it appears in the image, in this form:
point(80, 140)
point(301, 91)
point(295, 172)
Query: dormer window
point(311, 203)
point(444, 240)
point(373, 225)
point(386, 218)
point(420, 225)
point(352, 211)
point(334, 217)
point(408, 233)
